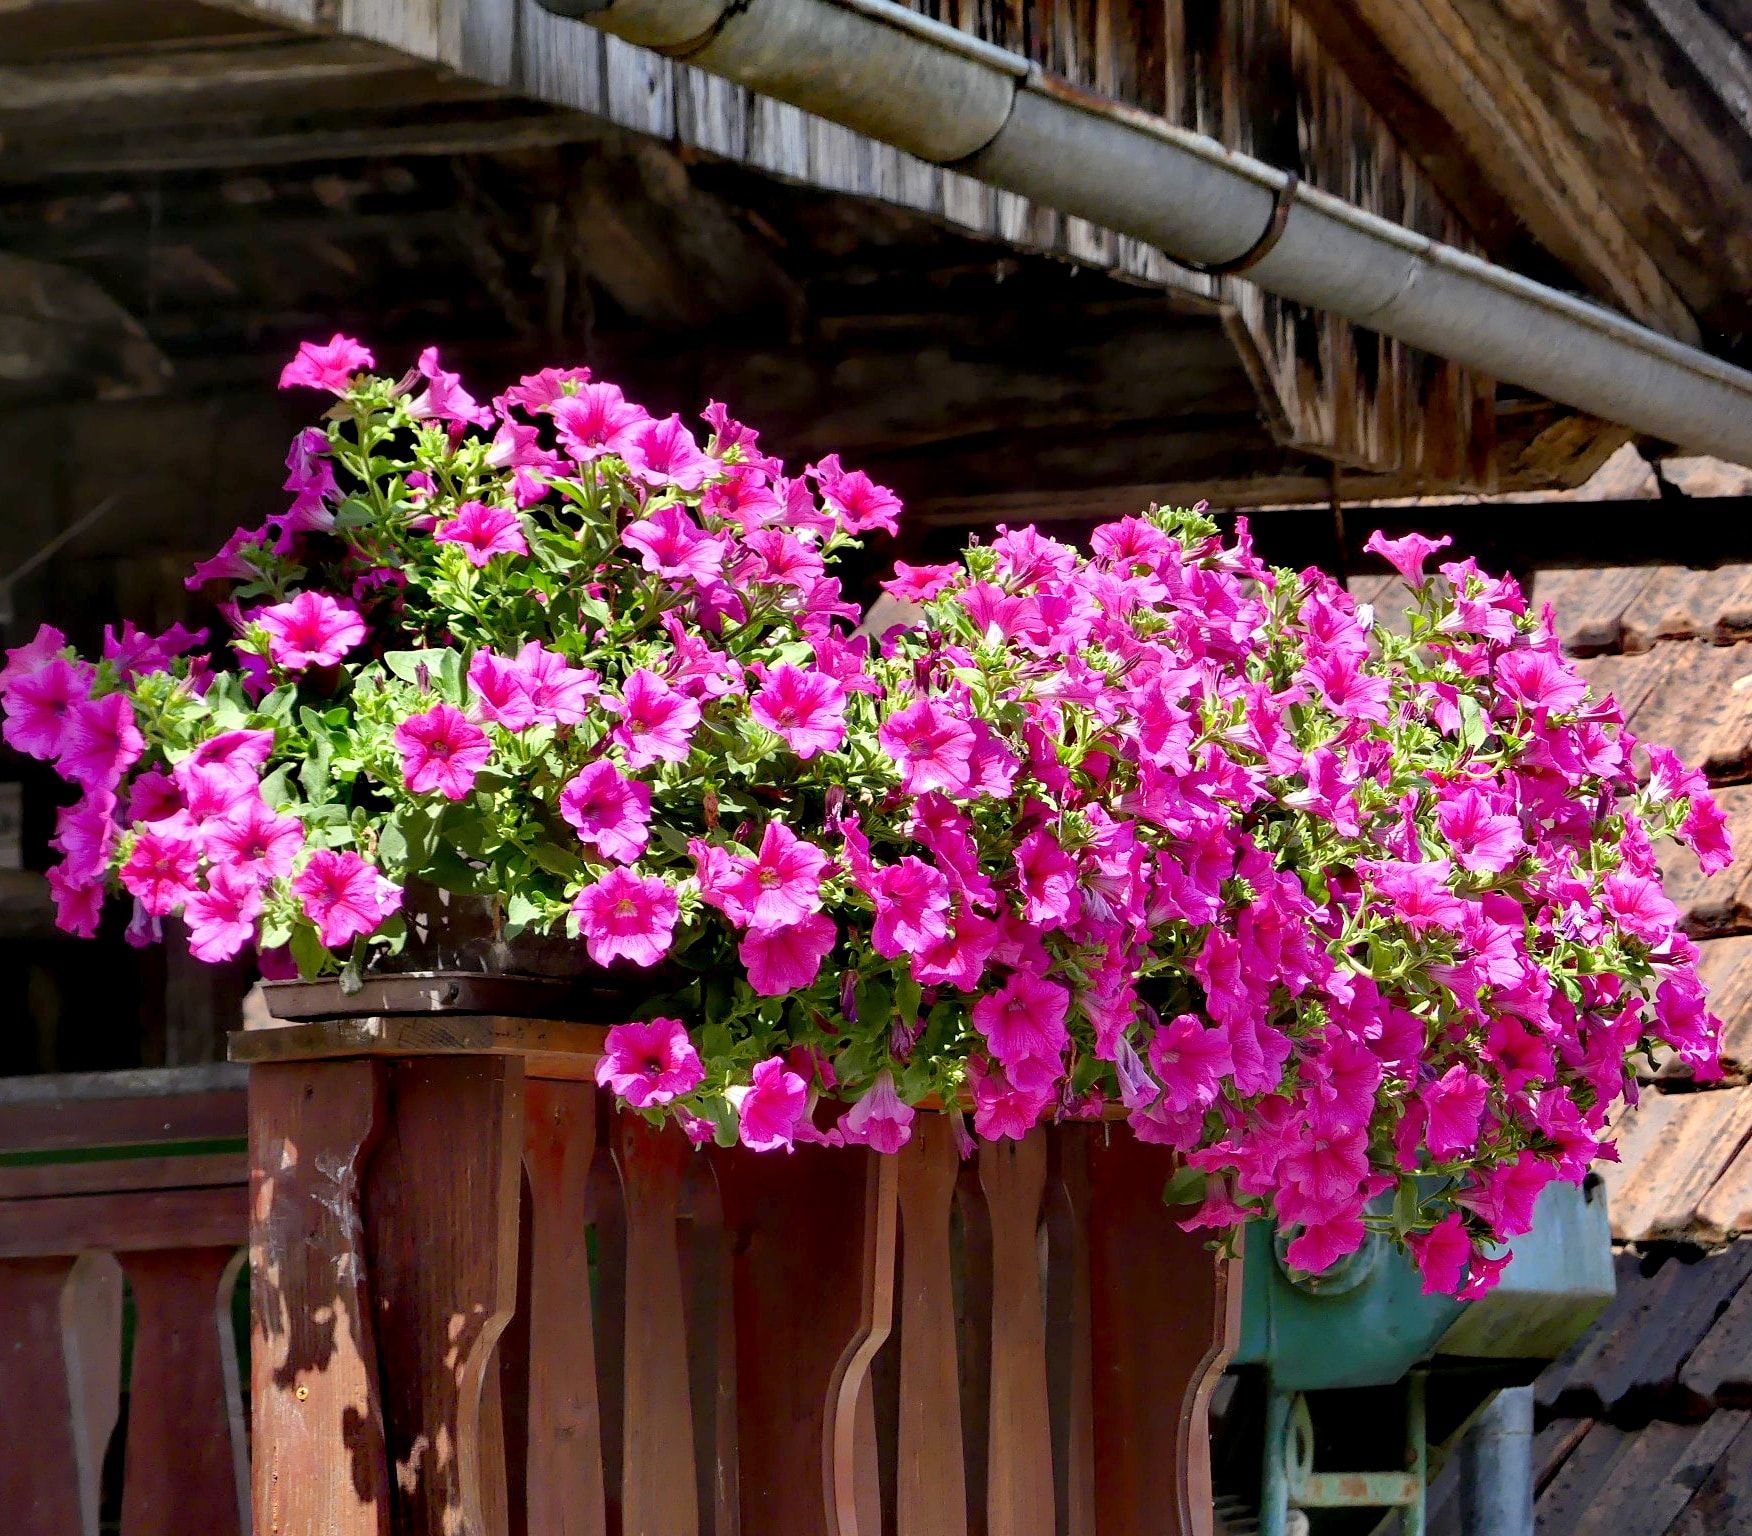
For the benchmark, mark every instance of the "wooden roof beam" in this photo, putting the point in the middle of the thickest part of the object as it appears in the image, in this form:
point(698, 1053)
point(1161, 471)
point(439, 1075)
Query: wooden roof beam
point(1509, 133)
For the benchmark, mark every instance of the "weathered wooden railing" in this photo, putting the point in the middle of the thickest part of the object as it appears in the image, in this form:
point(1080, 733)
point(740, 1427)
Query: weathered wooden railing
point(484, 1302)
point(123, 1217)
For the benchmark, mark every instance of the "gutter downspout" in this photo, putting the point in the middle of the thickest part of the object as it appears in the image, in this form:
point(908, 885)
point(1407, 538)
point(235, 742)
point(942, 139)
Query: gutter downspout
point(954, 100)
point(1496, 1468)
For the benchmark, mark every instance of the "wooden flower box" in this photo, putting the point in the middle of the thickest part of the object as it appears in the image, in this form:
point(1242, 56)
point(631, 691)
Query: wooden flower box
point(486, 1302)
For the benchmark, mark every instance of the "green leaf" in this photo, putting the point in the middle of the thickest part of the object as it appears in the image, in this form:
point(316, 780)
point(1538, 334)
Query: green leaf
point(556, 861)
point(307, 951)
point(407, 664)
point(1185, 1187)
point(313, 773)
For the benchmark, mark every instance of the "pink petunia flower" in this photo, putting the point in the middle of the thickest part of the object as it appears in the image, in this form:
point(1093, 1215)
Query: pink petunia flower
point(1640, 907)
point(1190, 1062)
point(501, 691)
point(787, 959)
point(160, 870)
point(771, 1109)
point(442, 750)
point(649, 1064)
point(1454, 1107)
point(1002, 1108)
point(807, 709)
point(1540, 682)
point(102, 742)
point(597, 420)
point(1024, 1021)
point(1483, 839)
point(609, 811)
point(672, 545)
point(1406, 555)
point(664, 453)
point(912, 907)
point(444, 398)
point(254, 840)
point(481, 532)
point(329, 365)
point(310, 630)
point(1441, 1254)
point(78, 904)
point(933, 748)
point(343, 895)
point(236, 757)
point(232, 560)
point(781, 885)
point(40, 705)
point(920, 583)
point(27, 660)
point(222, 917)
point(559, 694)
point(879, 1119)
point(657, 722)
point(860, 504)
point(626, 916)
point(86, 832)
point(1047, 878)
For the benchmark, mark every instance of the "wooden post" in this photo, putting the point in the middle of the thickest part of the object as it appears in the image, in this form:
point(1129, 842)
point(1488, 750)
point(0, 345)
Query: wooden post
point(318, 1445)
point(440, 1207)
point(931, 1497)
point(1019, 1490)
point(564, 1496)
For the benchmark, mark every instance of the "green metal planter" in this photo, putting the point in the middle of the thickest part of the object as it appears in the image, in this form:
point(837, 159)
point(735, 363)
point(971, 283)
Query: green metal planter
point(1367, 1323)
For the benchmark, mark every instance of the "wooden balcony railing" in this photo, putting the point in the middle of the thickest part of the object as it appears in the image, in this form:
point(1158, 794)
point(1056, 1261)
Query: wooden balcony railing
point(484, 1302)
point(123, 1217)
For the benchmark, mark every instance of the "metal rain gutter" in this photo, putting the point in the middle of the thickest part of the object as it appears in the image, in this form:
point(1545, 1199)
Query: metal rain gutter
point(954, 100)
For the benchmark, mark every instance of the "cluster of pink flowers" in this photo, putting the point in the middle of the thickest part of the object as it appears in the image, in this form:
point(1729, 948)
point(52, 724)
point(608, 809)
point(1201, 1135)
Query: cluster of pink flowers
point(1365, 920)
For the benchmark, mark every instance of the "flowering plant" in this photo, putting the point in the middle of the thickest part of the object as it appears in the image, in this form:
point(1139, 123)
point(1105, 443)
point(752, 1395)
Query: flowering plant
point(1364, 919)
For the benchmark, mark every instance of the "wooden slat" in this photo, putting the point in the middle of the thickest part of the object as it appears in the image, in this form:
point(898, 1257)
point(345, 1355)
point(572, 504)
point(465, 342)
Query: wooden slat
point(564, 1492)
point(115, 1175)
point(658, 1486)
point(319, 1462)
point(1165, 1316)
point(91, 1336)
point(1070, 1361)
point(931, 1494)
point(1019, 1481)
point(40, 1474)
point(183, 1468)
point(126, 1223)
point(119, 1109)
point(854, 1479)
point(441, 1225)
point(797, 1223)
point(711, 1340)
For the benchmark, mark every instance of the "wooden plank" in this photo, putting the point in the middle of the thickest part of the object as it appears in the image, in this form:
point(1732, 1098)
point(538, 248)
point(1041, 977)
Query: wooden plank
point(125, 1223)
point(1165, 1314)
point(564, 1473)
point(319, 1461)
point(441, 1225)
point(91, 1342)
point(1070, 1361)
point(854, 1494)
point(114, 1175)
point(658, 1485)
point(182, 1468)
point(40, 1489)
point(931, 1495)
point(90, 1109)
point(711, 1339)
point(1478, 82)
point(797, 1225)
point(549, 1047)
point(1019, 1480)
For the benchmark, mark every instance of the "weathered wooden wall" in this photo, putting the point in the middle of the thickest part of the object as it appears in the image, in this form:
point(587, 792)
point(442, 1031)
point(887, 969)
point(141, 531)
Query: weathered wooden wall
point(1250, 72)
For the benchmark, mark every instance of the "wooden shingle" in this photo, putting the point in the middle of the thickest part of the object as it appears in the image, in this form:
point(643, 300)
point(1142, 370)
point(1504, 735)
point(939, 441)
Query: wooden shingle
point(1673, 1150)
